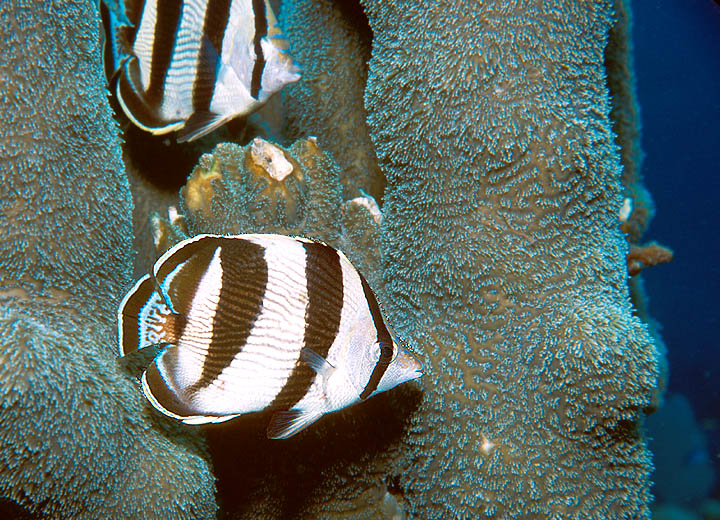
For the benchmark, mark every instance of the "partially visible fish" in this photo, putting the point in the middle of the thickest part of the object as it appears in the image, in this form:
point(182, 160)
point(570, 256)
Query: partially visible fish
point(260, 322)
point(192, 65)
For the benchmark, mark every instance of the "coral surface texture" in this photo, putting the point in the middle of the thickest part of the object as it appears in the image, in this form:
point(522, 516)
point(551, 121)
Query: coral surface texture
point(468, 159)
point(504, 260)
point(76, 438)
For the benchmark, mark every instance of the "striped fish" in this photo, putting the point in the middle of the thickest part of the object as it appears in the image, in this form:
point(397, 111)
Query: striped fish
point(193, 65)
point(259, 322)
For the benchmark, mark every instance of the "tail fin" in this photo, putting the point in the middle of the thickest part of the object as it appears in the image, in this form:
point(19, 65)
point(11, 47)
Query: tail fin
point(145, 320)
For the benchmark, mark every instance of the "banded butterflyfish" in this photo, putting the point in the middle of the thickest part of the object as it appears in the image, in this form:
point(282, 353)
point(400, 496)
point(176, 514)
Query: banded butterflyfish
point(192, 65)
point(260, 322)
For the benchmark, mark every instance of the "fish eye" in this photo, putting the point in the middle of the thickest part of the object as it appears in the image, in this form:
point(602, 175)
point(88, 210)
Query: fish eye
point(384, 349)
point(394, 351)
point(392, 344)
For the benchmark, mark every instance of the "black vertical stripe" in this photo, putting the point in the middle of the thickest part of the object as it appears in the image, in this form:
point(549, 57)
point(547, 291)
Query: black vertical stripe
point(130, 313)
point(244, 282)
point(134, 10)
point(383, 338)
point(195, 257)
point(184, 251)
point(193, 260)
point(167, 25)
point(261, 27)
point(324, 279)
point(217, 14)
point(127, 90)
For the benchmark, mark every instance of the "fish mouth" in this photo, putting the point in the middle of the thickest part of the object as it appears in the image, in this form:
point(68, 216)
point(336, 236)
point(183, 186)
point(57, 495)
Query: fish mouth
point(411, 365)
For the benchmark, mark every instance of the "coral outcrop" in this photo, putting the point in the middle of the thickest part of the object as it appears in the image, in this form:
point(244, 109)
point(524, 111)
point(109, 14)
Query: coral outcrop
point(496, 252)
point(77, 439)
point(625, 117)
point(332, 42)
point(505, 265)
point(637, 208)
point(640, 257)
point(506, 176)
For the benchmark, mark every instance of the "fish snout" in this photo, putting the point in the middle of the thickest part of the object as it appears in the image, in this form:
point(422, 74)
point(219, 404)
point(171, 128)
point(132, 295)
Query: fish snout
point(409, 364)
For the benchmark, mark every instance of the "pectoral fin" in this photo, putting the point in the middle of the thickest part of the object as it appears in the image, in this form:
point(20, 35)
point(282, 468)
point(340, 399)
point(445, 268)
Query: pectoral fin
point(286, 424)
point(315, 361)
point(199, 124)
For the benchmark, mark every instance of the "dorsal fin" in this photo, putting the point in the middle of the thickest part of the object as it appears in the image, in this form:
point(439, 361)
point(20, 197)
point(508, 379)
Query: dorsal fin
point(132, 99)
point(145, 320)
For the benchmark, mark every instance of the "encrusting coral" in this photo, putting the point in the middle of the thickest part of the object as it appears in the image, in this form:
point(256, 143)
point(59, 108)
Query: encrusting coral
point(77, 439)
point(640, 257)
point(263, 188)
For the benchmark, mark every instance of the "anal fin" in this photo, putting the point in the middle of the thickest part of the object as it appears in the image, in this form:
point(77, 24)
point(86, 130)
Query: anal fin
point(286, 424)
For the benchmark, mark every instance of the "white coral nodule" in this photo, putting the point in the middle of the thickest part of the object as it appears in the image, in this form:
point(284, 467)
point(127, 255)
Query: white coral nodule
point(270, 158)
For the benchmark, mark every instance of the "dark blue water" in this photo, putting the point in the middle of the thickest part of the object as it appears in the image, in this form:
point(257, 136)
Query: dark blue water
point(677, 60)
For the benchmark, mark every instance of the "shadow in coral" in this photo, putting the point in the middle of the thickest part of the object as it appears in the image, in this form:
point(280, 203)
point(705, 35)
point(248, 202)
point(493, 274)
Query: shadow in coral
point(160, 159)
point(247, 464)
point(10, 509)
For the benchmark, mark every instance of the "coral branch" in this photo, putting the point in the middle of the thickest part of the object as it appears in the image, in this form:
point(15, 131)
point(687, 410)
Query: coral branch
point(640, 257)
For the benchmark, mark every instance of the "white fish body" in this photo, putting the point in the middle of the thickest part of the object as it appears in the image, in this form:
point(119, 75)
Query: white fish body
point(192, 65)
point(257, 322)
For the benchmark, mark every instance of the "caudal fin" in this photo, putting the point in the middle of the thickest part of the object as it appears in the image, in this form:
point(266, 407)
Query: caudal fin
point(144, 319)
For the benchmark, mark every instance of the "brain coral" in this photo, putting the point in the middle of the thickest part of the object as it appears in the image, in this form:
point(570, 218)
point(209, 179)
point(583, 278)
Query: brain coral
point(76, 438)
